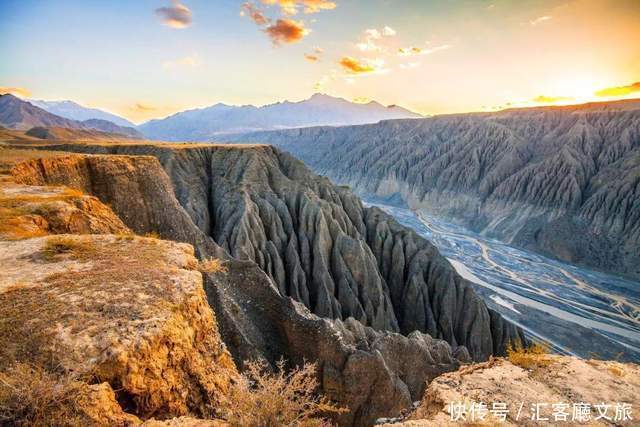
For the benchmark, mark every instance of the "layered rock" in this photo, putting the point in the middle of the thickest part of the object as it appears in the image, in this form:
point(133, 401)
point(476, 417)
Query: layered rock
point(559, 180)
point(126, 311)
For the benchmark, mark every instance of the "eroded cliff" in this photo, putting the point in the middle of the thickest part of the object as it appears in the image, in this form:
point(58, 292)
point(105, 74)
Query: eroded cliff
point(563, 181)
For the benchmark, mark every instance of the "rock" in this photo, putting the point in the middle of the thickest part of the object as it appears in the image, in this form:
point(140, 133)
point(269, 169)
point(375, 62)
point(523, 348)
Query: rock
point(125, 310)
point(567, 380)
point(30, 211)
point(372, 373)
point(563, 181)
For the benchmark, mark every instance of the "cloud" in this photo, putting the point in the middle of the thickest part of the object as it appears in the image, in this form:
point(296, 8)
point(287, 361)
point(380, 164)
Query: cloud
point(410, 51)
point(315, 55)
point(539, 20)
point(176, 16)
point(543, 99)
point(365, 66)
point(17, 91)
point(368, 42)
point(290, 7)
point(286, 31)
point(619, 90)
point(187, 61)
point(254, 13)
point(388, 31)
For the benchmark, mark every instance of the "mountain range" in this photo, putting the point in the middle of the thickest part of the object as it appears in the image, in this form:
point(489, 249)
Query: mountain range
point(16, 113)
point(562, 181)
point(74, 111)
point(208, 123)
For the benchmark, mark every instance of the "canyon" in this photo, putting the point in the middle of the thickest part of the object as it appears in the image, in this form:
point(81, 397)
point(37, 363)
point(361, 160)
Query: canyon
point(561, 181)
point(310, 273)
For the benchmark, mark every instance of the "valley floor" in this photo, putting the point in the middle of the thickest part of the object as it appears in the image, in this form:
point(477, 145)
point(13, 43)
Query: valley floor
point(578, 311)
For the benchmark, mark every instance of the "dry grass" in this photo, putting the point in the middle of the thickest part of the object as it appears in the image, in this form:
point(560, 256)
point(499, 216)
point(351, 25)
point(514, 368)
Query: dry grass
point(262, 397)
point(534, 357)
point(616, 371)
point(31, 396)
point(80, 249)
point(212, 265)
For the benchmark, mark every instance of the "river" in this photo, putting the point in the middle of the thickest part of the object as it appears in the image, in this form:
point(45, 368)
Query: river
point(574, 310)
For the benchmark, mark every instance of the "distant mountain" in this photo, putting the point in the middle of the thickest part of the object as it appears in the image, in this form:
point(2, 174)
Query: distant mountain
point(110, 127)
point(74, 111)
point(22, 115)
point(220, 119)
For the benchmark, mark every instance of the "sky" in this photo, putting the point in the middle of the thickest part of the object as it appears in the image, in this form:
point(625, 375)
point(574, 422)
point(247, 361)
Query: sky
point(145, 59)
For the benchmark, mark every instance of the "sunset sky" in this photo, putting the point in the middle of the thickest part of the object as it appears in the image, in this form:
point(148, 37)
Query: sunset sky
point(149, 58)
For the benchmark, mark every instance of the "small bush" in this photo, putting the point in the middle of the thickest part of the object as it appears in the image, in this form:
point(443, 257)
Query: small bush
point(266, 398)
point(30, 396)
point(212, 265)
point(535, 356)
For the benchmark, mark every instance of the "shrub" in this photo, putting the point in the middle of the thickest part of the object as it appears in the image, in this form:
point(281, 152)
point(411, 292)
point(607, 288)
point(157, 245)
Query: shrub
point(30, 396)
point(535, 356)
point(266, 398)
point(212, 265)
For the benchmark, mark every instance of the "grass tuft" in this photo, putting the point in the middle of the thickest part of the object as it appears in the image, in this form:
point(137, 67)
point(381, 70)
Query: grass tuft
point(533, 357)
point(212, 265)
point(152, 235)
point(616, 371)
point(81, 249)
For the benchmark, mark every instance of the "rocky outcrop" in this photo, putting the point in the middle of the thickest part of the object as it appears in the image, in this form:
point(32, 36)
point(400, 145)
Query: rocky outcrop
point(564, 381)
point(31, 211)
point(559, 180)
point(370, 372)
point(127, 311)
point(286, 232)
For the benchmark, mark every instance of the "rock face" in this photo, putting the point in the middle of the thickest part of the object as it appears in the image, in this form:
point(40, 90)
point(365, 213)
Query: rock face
point(127, 311)
point(370, 372)
point(289, 233)
point(566, 380)
point(31, 211)
point(564, 181)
